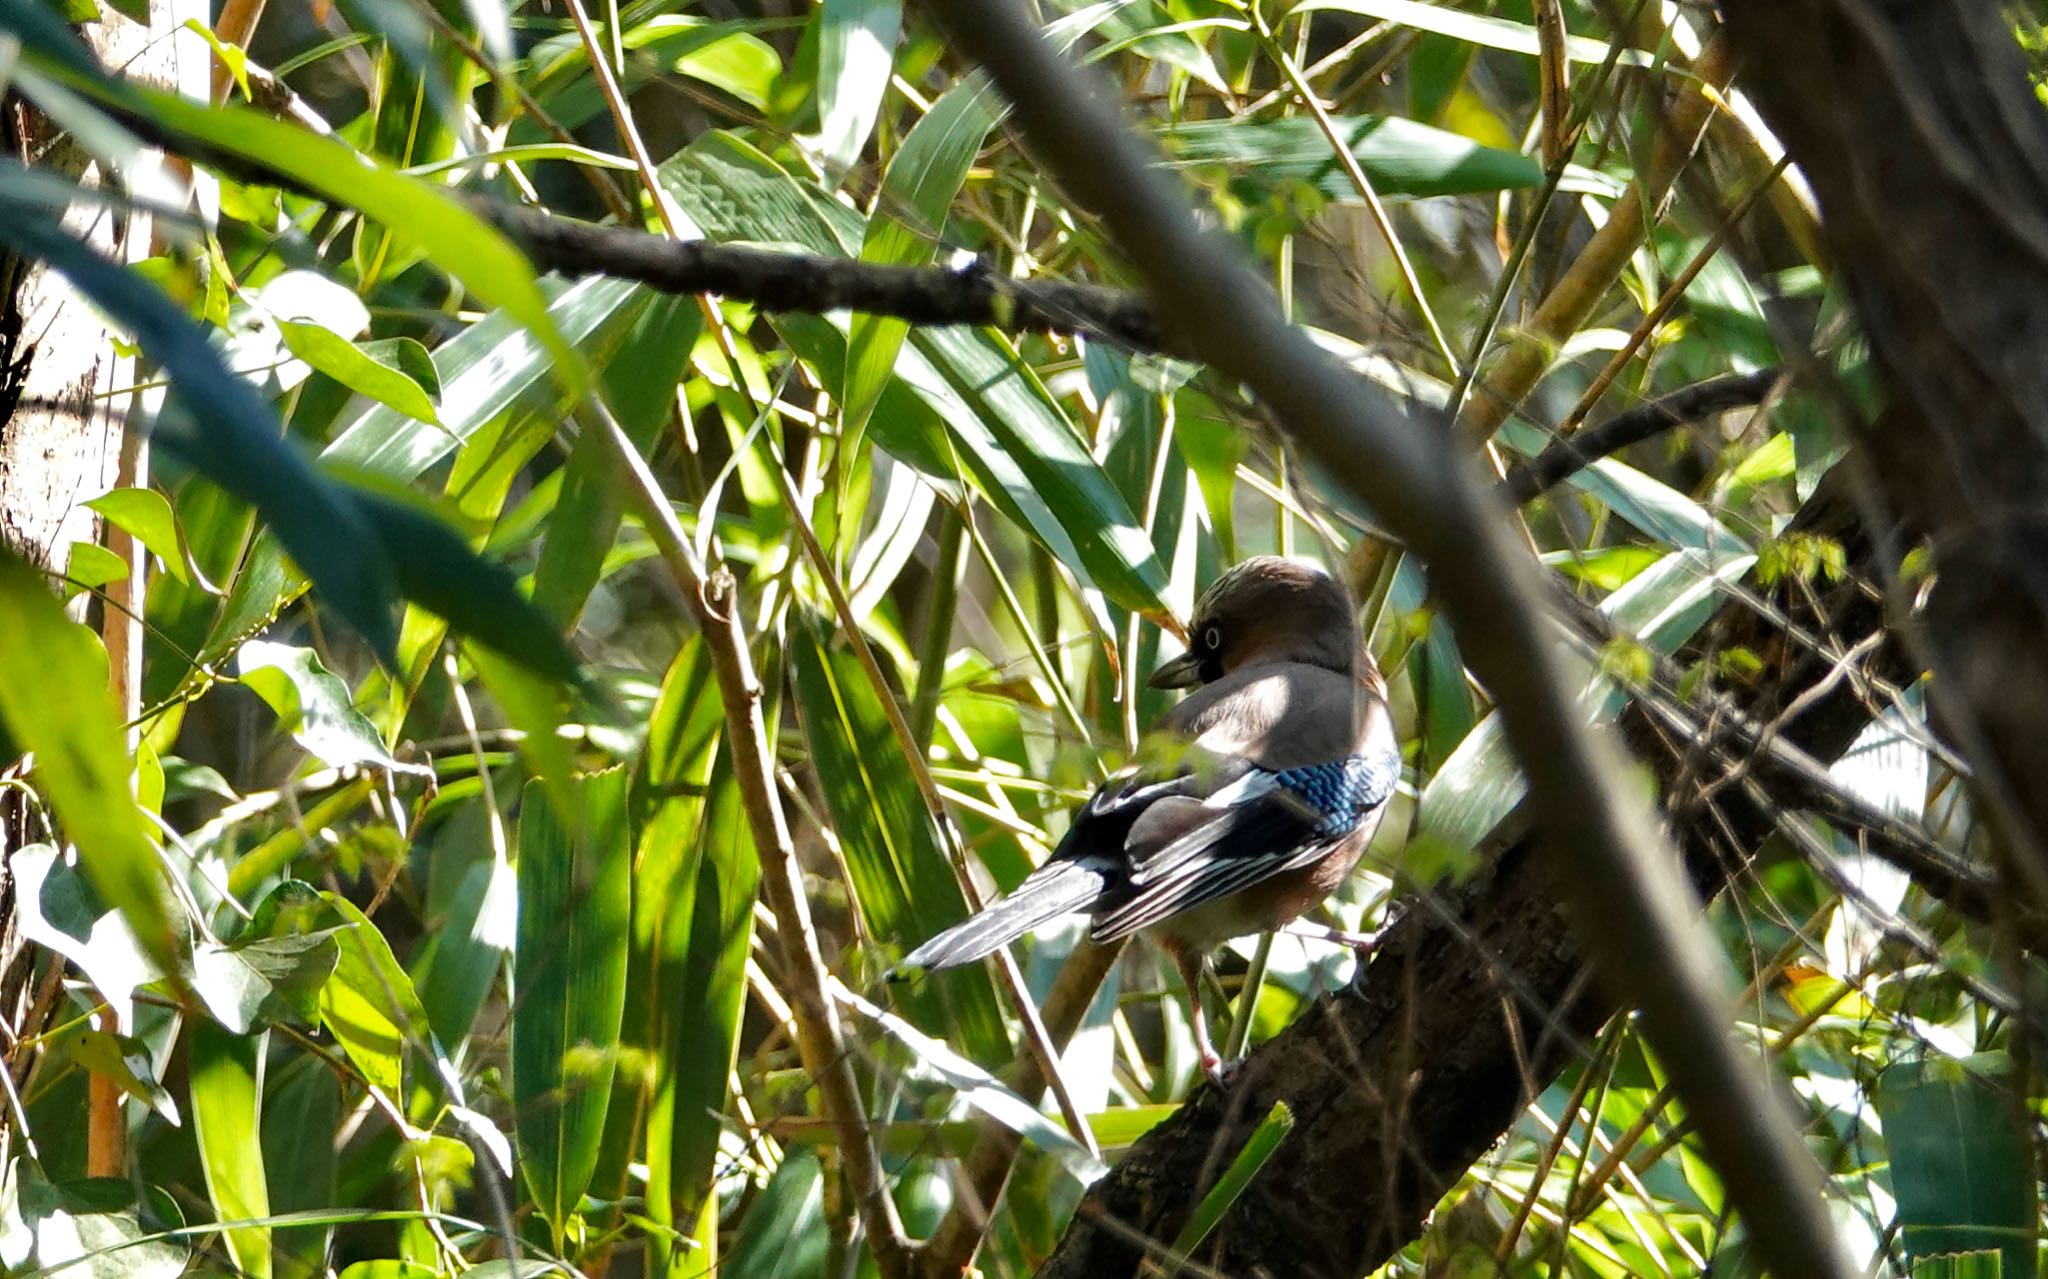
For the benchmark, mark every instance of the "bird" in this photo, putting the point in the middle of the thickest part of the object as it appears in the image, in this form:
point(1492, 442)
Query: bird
point(1283, 758)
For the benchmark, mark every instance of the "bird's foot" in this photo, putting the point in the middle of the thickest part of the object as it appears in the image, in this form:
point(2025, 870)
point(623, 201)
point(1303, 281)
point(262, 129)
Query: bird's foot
point(1219, 1071)
point(1362, 947)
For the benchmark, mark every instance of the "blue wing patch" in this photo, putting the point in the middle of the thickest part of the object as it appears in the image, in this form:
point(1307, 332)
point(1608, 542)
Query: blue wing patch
point(1341, 792)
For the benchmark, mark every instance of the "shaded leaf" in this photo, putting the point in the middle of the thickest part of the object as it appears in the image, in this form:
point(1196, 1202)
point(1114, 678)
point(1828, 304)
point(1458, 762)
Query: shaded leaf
point(568, 983)
point(1961, 1166)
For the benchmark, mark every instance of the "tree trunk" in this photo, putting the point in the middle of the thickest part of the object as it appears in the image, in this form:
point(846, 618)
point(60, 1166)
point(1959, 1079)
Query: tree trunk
point(1922, 137)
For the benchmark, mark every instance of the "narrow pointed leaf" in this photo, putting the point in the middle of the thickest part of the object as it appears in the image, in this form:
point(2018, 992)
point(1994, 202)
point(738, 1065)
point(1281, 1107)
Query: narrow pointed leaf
point(568, 983)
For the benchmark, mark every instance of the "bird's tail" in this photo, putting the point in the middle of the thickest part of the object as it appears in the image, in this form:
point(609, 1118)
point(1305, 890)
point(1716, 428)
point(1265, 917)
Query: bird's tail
point(1050, 890)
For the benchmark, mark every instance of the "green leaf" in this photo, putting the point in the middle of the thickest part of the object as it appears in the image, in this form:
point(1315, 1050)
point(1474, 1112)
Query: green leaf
point(314, 706)
point(1257, 1149)
point(1662, 606)
point(227, 1120)
point(234, 441)
point(934, 1061)
point(784, 1230)
point(54, 700)
point(640, 388)
point(299, 1173)
point(369, 1004)
point(1961, 1166)
point(908, 223)
point(1987, 1264)
point(568, 984)
point(1005, 431)
point(856, 52)
point(538, 709)
point(418, 212)
point(57, 907)
point(902, 885)
point(91, 565)
point(354, 368)
point(264, 979)
point(694, 882)
point(1474, 28)
point(122, 1059)
point(467, 952)
point(80, 1231)
point(1400, 156)
point(477, 597)
point(145, 515)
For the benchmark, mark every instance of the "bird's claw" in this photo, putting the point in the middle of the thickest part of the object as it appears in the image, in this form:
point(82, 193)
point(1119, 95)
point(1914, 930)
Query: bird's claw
point(1220, 1072)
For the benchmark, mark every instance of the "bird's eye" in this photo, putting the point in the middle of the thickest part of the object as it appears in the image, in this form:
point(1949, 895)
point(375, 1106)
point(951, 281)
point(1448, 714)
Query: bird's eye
point(1212, 638)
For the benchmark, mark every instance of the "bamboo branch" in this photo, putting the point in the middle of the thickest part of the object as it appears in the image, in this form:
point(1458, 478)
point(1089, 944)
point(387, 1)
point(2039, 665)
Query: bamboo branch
point(713, 599)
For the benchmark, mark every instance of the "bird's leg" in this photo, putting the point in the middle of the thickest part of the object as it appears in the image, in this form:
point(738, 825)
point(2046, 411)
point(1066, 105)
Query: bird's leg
point(1361, 944)
point(1189, 960)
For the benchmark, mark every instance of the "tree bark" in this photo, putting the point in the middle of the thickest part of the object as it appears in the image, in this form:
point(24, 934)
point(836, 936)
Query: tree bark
point(1922, 137)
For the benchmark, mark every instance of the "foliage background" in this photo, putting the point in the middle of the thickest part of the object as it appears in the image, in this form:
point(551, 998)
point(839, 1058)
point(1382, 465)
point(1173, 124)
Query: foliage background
point(459, 963)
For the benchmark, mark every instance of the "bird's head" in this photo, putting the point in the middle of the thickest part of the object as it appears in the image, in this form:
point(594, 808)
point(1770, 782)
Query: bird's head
point(1267, 609)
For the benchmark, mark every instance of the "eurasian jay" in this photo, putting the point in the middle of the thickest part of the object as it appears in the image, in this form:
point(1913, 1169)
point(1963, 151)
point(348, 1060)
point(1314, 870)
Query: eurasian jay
point(1290, 759)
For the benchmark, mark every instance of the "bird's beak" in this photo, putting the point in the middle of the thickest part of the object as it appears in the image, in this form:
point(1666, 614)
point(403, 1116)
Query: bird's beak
point(1182, 672)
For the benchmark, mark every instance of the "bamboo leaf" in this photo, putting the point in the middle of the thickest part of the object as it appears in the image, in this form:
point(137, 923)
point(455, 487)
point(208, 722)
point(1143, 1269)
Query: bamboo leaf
point(1960, 1165)
point(1006, 433)
point(901, 883)
point(227, 1119)
point(1251, 1157)
point(693, 898)
point(568, 983)
point(1474, 28)
point(1400, 156)
point(856, 52)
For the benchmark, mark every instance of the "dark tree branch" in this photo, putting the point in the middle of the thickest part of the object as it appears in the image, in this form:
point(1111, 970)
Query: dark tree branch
point(1574, 453)
point(779, 280)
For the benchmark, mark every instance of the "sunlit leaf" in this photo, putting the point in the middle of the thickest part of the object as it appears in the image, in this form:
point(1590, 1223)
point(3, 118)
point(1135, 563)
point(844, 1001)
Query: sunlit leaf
point(54, 700)
point(227, 1115)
